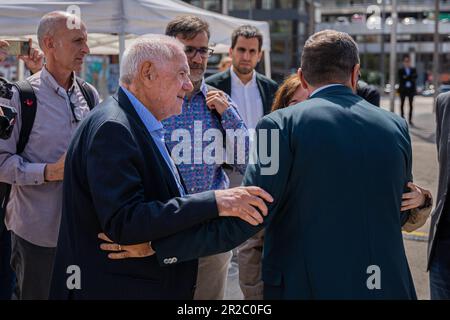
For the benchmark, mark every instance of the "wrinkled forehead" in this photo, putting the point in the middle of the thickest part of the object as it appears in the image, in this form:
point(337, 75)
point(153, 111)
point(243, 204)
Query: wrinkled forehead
point(71, 28)
point(177, 64)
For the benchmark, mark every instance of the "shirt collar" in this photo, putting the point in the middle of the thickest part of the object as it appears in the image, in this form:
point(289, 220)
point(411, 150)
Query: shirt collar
point(235, 78)
point(325, 87)
point(47, 76)
point(150, 122)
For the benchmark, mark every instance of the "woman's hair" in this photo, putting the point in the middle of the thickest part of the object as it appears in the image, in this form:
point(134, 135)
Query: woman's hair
point(285, 92)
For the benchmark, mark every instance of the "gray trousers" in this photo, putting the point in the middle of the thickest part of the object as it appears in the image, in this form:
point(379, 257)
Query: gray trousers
point(212, 276)
point(33, 266)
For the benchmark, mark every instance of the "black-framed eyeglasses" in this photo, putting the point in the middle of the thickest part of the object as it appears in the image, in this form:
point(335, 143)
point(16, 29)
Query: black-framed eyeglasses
point(192, 51)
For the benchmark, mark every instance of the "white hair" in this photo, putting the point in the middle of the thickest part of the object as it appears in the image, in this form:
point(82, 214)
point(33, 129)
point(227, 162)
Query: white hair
point(51, 22)
point(155, 48)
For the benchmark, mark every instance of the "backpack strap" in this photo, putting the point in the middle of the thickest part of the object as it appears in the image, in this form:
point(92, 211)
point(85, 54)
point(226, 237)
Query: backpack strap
point(87, 92)
point(28, 107)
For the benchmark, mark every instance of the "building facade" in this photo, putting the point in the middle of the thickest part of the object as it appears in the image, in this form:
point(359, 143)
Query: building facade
point(369, 22)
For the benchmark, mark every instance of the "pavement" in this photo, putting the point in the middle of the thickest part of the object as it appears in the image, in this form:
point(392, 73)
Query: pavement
point(425, 172)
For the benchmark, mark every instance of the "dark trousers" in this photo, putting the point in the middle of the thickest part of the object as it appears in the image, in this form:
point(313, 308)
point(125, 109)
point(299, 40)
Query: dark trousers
point(403, 96)
point(33, 266)
point(7, 277)
point(440, 268)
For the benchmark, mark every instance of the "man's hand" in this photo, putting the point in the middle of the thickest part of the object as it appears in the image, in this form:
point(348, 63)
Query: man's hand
point(55, 171)
point(34, 61)
point(217, 100)
point(243, 202)
point(3, 53)
point(415, 198)
point(123, 252)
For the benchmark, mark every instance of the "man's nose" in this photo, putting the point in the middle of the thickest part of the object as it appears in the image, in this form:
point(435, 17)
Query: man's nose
point(197, 58)
point(188, 86)
point(86, 49)
point(247, 55)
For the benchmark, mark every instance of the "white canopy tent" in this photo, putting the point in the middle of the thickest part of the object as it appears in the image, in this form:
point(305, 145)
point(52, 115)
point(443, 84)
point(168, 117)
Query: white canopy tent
point(112, 23)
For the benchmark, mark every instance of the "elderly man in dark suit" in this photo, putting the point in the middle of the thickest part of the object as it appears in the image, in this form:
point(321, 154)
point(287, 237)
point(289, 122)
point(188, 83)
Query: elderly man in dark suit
point(334, 228)
point(120, 180)
point(439, 239)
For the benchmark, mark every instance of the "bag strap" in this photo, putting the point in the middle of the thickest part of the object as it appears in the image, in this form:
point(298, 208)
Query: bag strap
point(87, 92)
point(28, 107)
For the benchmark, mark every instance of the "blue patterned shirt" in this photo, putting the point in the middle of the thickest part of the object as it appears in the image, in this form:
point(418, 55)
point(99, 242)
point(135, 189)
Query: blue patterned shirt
point(195, 120)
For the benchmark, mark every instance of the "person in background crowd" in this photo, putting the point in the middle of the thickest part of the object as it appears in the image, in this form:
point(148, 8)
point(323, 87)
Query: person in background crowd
point(34, 62)
point(34, 208)
point(407, 76)
point(225, 63)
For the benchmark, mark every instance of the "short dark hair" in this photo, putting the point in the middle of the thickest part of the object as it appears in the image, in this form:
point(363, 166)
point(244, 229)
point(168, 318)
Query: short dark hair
point(249, 32)
point(187, 26)
point(406, 56)
point(329, 56)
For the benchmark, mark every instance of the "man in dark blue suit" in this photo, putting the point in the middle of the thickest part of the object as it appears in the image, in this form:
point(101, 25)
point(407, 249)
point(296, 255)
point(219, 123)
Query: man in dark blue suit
point(334, 228)
point(120, 180)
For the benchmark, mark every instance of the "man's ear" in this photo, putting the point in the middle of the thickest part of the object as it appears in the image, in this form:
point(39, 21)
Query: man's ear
point(303, 82)
point(147, 72)
point(260, 54)
point(48, 43)
point(355, 76)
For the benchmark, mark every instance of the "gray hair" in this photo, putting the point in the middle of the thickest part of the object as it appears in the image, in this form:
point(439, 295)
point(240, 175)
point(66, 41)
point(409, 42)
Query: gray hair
point(155, 48)
point(50, 22)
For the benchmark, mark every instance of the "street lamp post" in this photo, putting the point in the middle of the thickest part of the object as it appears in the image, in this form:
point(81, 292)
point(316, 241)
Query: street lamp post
point(436, 54)
point(393, 57)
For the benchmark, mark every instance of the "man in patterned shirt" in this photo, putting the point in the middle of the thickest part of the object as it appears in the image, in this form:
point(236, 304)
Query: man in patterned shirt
point(204, 108)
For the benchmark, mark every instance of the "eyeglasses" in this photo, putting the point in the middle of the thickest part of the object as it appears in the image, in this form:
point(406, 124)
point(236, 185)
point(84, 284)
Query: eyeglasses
point(192, 51)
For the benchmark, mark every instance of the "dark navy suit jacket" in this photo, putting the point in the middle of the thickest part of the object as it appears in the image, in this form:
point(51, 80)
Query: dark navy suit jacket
point(117, 182)
point(343, 167)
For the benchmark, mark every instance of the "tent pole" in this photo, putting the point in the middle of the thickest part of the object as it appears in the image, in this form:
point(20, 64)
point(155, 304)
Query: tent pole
point(267, 64)
point(121, 46)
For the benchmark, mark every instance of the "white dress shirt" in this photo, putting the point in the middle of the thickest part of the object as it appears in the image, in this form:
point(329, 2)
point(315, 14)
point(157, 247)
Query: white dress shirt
point(247, 98)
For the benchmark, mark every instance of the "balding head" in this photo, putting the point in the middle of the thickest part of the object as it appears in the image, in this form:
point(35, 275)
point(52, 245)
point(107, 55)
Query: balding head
point(53, 22)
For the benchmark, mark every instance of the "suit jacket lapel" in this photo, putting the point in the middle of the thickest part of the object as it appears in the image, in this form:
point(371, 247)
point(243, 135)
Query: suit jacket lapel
point(127, 106)
point(262, 92)
point(227, 83)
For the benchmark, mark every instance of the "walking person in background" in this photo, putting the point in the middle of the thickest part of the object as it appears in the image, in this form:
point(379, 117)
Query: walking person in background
point(407, 76)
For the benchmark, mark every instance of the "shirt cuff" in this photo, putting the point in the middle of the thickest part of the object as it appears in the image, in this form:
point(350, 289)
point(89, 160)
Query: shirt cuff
point(35, 173)
point(230, 118)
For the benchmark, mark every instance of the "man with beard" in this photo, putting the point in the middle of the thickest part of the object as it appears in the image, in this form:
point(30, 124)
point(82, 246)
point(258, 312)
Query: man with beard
point(212, 109)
